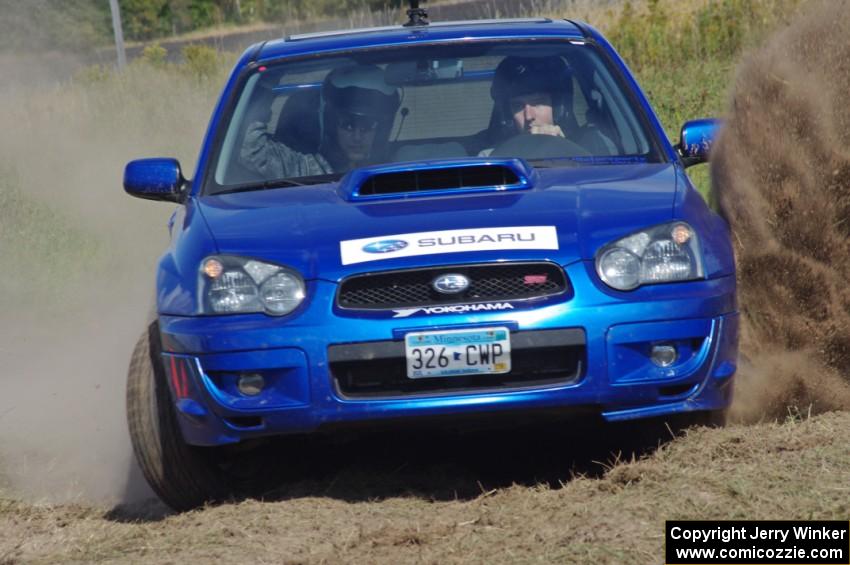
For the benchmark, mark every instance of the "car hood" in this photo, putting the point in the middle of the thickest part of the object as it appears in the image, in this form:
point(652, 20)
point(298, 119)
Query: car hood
point(575, 209)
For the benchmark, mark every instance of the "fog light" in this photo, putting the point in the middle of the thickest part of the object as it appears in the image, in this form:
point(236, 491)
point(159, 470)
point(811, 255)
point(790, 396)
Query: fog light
point(251, 384)
point(664, 355)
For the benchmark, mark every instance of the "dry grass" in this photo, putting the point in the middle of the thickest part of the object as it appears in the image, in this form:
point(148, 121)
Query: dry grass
point(798, 469)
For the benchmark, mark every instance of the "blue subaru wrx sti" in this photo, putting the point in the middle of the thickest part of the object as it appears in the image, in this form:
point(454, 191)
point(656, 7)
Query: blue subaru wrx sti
point(444, 220)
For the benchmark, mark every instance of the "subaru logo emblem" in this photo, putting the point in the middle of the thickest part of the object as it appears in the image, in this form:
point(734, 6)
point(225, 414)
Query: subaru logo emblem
point(450, 284)
point(385, 246)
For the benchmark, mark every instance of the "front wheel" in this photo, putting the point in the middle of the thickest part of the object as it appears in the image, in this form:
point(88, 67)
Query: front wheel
point(182, 475)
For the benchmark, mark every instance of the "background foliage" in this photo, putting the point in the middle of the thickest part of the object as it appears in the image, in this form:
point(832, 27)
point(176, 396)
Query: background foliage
point(684, 55)
point(56, 24)
point(85, 24)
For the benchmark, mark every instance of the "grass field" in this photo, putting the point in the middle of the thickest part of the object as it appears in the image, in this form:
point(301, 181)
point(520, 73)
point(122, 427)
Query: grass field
point(29, 232)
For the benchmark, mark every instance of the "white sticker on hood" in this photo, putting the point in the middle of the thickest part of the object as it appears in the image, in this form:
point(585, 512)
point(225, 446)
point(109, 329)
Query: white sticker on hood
point(448, 241)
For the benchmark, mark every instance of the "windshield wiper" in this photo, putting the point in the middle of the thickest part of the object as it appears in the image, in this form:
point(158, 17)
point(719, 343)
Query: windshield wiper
point(576, 161)
point(551, 162)
point(281, 183)
point(260, 186)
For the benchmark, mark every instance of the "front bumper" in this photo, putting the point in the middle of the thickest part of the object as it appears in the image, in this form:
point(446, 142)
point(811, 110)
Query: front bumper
point(605, 335)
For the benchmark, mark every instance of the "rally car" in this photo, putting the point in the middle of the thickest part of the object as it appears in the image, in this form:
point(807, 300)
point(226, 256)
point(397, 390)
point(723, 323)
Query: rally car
point(427, 221)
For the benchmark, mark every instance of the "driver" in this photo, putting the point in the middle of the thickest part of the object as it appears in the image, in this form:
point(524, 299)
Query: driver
point(534, 95)
point(357, 109)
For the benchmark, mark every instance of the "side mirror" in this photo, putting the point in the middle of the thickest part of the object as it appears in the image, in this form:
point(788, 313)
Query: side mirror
point(155, 179)
point(696, 139)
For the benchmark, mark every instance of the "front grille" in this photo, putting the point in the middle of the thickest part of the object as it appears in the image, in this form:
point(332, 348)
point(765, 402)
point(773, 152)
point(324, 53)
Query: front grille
point(379, 369)
point(488, 282)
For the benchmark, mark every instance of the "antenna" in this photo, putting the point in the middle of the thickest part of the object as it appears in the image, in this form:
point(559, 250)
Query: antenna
point(418, 16)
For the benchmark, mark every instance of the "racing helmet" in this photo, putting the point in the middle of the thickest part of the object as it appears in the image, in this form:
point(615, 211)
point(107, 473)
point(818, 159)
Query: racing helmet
point(357, 93)
point(516, 76)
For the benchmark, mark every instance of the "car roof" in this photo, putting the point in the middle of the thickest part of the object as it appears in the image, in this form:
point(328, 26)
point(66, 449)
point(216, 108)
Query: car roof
point(401, 35)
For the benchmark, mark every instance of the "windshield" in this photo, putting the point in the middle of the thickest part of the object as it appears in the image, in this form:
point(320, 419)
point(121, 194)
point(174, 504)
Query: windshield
point(311, 120)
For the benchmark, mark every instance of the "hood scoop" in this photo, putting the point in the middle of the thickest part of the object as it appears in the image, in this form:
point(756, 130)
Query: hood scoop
point(435, 178)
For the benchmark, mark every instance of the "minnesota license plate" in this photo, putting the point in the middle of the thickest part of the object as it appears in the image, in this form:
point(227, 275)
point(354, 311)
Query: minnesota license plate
point(458, 352)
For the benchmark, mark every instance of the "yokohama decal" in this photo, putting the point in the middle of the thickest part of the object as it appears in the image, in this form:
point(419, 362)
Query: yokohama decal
point(454, 309)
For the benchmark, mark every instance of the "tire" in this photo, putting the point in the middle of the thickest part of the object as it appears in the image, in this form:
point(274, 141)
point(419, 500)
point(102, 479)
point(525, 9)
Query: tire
point(183, 476)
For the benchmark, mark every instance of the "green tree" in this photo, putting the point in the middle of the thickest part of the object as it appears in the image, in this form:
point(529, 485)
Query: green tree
point(146, 19)
point(76, 25)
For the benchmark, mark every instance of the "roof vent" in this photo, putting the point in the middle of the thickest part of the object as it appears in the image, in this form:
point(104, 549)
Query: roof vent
point(417, 16)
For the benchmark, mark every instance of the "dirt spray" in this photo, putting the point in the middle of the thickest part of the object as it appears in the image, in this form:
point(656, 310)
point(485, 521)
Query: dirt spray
point(781, 174)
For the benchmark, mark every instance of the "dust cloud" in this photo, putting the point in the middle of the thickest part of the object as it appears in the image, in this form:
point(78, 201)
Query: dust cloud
point(782, 178)
point(65, 348)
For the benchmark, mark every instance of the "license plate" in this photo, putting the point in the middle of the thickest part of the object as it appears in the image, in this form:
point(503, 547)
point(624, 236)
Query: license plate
point(458, 352)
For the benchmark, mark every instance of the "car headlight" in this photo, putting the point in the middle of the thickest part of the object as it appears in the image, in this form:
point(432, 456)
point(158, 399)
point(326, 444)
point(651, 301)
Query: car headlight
point(231, 285)
point(665, 253)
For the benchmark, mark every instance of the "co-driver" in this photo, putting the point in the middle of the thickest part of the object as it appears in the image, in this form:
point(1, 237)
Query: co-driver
point(356, 114)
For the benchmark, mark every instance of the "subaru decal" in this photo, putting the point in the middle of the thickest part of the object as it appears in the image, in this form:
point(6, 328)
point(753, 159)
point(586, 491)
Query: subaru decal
point(385, 246)
point(398, 245)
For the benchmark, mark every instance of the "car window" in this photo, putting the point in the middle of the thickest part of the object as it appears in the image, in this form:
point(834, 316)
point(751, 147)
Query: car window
point(314, 119)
